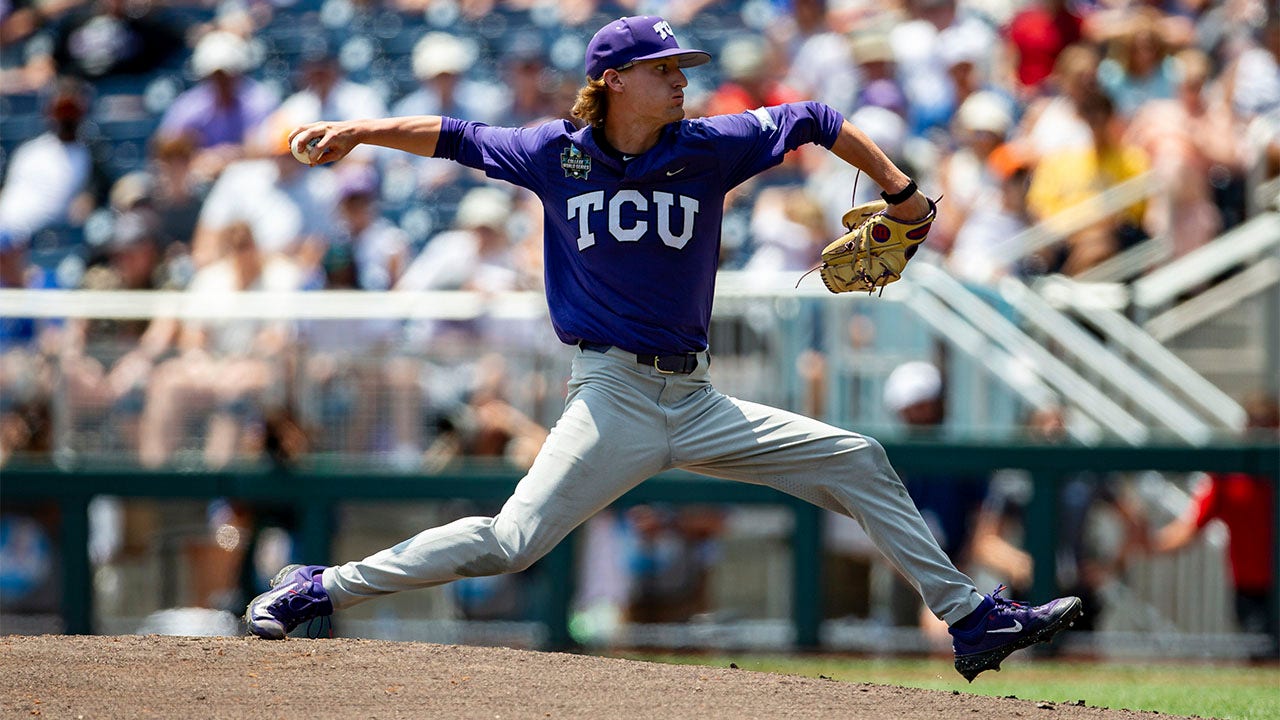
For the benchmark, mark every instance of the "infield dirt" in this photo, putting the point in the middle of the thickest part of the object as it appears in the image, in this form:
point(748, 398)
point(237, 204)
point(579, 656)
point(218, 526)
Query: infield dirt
point(184, 677)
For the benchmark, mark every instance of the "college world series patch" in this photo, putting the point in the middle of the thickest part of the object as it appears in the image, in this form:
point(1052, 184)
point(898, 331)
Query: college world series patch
point(575, 164)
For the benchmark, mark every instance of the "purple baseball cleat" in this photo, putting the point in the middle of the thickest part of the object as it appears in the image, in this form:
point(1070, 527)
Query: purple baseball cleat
point(296, 596)
point(1004, 626)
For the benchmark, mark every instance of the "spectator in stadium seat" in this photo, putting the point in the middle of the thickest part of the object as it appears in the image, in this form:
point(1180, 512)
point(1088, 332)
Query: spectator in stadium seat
point(821, 66)
point(752, 74)
point(1139, 66)
point(325, 93)
point(289, 206)
point(220, 113)
point(439, 62)
point(531, 84)
point(229, 370)
point(52, 179)
point(1246, 505)
point(108, 38)
point(918, 44)
point(964, 175)
point(1192, 148)
point(1053, 121)
point(26, 368)
point(1071, 179)
point(983, 250)
point(1036, 35)
point(344, 387)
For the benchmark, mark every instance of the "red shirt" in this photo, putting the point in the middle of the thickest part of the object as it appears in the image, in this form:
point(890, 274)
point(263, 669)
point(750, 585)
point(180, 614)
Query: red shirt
point(1246, 504)
point(1039, 35)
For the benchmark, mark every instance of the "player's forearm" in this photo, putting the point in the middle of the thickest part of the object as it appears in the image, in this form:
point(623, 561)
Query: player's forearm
point(326, 142)
point(416, 134)
point(854, 147)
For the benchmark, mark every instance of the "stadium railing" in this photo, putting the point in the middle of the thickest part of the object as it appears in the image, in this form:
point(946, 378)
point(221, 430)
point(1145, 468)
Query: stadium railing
point(312, 491)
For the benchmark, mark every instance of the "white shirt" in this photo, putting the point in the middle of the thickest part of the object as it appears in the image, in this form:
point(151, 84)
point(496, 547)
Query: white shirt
point(216, 285)
point(44, 176)
point(280, 210)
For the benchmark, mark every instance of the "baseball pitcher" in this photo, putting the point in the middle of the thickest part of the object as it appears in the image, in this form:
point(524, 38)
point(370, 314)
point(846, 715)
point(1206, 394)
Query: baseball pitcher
point(632, 205)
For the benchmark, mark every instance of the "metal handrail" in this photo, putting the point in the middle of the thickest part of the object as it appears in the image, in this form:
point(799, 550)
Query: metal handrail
point(1066, 381)
point(1131, 262)
point(1083, 214)
point(1237, 246)
point(1215, 300)
point(1119, 374)
point(1141, 347)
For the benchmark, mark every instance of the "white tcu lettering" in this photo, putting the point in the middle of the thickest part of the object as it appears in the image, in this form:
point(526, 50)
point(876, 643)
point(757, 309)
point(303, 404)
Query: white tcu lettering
point(688, 210)
point(583, 207)
point(580, 206)
point(635, 232)
point(663, 29)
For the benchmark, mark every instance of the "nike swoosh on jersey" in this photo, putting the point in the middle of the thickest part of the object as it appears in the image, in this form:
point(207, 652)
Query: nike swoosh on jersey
point(1015, 627)
point(676, 172)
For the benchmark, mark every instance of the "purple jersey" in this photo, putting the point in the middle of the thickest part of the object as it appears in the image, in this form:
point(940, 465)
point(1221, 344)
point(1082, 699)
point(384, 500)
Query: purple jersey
point(632, 247)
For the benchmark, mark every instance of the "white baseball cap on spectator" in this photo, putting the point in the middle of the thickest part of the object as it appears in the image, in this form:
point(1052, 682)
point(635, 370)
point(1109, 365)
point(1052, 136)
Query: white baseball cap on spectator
point(438, 53)
point(483, 207)
point(221, 51)
point(744, 58)
point(984, 111)
point(911, 384)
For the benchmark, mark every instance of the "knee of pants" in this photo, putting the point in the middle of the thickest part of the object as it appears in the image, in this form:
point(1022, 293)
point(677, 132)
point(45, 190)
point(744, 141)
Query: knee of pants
point(519, 549)
point(873, 460)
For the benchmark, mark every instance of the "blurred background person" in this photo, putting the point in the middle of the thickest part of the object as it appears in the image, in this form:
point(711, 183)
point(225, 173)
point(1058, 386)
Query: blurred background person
point(227, 370)
point(1139, 66)
point(1036, 34)
point(441, 64)
point(344, 389)
point(986, 247)
point(52, 179)
point(104, 39)
point(288, 206)
point(1246, 505)
point(219, 113)
point(948, 502)
point(1068, 180)
point(1054, 122)
point(965, 176)
point(1089, 563)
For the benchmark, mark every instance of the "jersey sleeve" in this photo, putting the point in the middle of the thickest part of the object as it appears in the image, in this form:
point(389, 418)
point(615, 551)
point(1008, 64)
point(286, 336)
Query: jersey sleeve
point(754, 141)
point(503, 153)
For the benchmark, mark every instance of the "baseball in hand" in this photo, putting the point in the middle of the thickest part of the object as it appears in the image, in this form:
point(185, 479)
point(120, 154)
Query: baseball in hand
point(300, 152)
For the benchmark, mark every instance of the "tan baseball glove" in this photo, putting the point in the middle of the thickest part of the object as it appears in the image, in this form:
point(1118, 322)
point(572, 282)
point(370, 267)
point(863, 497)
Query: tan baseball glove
point(874, 251)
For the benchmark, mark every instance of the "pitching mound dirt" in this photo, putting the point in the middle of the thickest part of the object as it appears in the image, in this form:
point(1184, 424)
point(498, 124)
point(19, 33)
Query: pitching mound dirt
point(170, 677)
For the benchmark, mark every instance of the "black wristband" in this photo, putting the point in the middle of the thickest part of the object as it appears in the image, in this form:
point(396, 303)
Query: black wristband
point(902, 195)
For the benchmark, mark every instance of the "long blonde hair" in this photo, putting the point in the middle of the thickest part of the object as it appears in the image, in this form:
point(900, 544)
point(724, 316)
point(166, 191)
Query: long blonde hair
point(592, 102)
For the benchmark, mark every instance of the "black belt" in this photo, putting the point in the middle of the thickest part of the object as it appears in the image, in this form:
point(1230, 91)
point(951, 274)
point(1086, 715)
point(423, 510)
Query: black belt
point(681, 363)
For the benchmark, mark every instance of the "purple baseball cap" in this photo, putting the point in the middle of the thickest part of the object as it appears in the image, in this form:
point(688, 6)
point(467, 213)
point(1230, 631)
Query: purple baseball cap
point(632, 39)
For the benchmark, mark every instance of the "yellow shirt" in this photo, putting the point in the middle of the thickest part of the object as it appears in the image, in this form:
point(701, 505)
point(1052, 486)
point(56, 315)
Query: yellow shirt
point(1069, 178)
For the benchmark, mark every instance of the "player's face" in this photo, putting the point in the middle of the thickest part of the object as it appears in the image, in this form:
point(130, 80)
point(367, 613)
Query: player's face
point(655, 89)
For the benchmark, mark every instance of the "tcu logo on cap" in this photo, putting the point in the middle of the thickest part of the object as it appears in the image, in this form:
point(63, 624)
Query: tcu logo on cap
point(663, 29)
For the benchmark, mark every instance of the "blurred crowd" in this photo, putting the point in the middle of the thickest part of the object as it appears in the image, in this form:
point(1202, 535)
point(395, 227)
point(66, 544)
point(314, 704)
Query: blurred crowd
point(144, 147)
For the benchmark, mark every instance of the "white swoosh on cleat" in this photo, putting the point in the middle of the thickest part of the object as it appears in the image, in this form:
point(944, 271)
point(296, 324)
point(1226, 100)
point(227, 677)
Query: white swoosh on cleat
point(1015, 627)
point(675, 172)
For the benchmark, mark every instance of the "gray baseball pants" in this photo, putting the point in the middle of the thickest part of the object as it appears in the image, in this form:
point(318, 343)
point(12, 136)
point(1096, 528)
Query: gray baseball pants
point(624, 422)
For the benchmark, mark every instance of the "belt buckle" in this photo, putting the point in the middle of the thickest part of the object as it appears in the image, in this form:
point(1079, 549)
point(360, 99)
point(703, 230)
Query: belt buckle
point(656, 366)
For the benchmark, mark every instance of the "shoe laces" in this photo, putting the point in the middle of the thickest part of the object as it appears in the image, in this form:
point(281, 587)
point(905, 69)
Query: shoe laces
point(1002, 602)
point(321, 624)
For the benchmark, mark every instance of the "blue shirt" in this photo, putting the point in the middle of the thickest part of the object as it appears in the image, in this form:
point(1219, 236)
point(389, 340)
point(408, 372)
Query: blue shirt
point(631, 247)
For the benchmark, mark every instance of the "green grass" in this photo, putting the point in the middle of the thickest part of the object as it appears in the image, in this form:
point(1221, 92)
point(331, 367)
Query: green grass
point(1236, 692)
